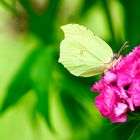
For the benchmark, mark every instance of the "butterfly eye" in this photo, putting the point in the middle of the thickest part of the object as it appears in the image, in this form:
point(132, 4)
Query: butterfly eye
point(115, 56)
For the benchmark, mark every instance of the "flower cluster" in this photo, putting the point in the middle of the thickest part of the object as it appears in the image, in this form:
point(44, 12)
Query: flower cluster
point(119, 88)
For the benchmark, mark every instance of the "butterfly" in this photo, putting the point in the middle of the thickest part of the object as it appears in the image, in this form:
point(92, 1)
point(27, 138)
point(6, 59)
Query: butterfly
point(85, 54)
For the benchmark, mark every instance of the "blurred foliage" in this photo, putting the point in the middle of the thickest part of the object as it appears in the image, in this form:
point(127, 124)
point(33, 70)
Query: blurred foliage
point(39, 99)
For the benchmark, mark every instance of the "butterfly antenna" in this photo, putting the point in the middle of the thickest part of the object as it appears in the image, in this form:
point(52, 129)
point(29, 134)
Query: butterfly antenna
point(125, 45)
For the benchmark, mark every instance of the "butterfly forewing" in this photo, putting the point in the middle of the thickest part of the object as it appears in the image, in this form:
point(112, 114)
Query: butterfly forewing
point(82, 52)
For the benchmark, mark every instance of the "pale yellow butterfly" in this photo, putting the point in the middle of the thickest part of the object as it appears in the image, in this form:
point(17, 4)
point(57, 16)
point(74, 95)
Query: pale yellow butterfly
point(83, 53)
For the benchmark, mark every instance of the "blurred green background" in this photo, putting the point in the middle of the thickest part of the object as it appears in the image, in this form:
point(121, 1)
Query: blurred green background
point(39, 98)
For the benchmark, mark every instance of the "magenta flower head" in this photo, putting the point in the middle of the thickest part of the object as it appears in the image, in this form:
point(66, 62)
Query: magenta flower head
point(119, 88)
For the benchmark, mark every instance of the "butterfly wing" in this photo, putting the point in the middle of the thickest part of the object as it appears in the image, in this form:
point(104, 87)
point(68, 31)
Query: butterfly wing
point(82, 52)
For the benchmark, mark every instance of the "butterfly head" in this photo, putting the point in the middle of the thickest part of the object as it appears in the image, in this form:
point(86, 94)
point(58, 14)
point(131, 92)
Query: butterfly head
point(117, 56)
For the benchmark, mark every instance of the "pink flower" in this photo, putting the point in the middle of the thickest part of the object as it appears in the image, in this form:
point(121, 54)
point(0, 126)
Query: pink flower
point(134, 92)
point(119, 88)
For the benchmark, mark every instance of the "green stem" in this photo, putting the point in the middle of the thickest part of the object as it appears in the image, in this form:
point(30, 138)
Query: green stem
point(106, 8)
point(127, 16)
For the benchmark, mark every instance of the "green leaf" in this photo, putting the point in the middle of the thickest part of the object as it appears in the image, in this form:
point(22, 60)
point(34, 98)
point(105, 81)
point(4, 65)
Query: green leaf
point(20, 83)
point(131, 24)
point(87, 5)
point(41, 79)
point(17, 122)
point(135, 133)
